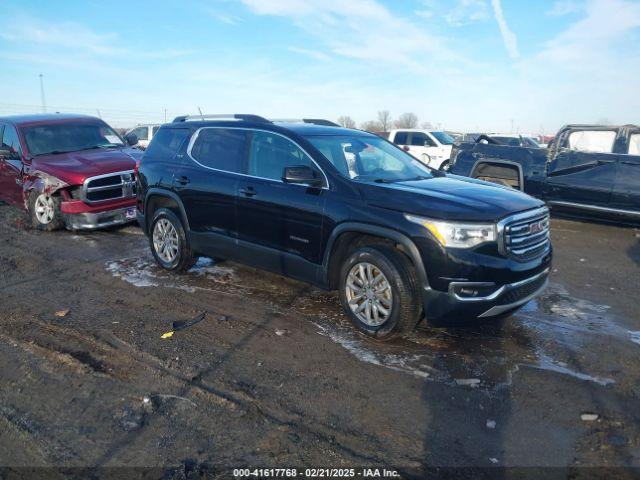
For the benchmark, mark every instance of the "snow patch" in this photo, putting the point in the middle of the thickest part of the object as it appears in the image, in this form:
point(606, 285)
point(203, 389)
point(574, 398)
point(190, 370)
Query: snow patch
point(399, 363)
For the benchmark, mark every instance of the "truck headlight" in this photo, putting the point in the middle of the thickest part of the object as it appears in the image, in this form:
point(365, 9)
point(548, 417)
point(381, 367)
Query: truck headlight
point(457, 235)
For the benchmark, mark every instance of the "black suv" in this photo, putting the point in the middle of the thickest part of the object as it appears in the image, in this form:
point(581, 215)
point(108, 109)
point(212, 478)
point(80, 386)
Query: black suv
point(342, 209)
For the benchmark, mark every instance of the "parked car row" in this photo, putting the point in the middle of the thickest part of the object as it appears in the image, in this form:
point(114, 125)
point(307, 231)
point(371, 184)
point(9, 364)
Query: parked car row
point(338, 208)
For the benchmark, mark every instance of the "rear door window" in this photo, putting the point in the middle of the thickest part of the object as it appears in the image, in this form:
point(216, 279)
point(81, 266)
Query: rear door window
point(142, 133)
point(166, 143)
point(596, 141)
point(221, 149)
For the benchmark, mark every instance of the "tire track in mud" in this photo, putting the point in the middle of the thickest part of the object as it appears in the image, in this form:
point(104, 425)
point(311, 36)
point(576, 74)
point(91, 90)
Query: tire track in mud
point(110, 346)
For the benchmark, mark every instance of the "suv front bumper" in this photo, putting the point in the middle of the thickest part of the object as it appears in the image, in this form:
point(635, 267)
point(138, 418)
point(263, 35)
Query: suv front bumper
point(498, 300)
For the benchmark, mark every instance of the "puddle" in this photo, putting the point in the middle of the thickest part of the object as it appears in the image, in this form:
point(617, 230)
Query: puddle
point(411, 364)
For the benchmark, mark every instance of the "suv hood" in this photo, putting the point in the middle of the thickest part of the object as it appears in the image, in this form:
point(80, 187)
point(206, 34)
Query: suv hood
point(74, 167)
point(450, 198)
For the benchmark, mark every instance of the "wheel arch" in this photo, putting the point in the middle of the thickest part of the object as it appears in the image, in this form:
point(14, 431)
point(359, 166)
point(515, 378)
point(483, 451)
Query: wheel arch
point(501, 163)
point(340, 243)
point(156, 198)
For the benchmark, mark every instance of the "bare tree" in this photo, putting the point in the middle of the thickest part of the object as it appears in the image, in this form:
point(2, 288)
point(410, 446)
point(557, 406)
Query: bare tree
point(427, 125)
point(347, 122)
point(384, 117)
point(407, 120)
point(371, 126)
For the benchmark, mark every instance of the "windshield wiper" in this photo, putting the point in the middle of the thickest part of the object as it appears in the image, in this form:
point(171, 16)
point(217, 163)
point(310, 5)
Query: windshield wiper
point(383, 180)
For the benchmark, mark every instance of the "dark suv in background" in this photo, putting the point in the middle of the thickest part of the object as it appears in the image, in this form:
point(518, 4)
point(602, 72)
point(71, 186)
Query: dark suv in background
point(342, 209)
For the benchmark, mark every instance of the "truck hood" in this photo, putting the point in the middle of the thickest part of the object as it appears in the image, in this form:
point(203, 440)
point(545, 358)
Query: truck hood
point(75, 167)
point(450, 198)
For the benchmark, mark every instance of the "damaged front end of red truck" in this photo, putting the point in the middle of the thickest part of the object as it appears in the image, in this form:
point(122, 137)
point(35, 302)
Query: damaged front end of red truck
point(67, 171)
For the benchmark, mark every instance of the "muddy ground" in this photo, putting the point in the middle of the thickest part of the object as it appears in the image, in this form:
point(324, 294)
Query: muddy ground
point(275, 376)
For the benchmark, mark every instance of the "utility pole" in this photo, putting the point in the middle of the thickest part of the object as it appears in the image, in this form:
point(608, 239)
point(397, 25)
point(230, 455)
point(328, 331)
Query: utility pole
point(44, 103)
point(511, 126)
point(165, 115)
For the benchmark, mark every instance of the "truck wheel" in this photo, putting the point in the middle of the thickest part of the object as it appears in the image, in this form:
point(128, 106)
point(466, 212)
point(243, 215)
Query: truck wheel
point(44, 210)
point(378, 292)
point(169, 243)
point(445, 166)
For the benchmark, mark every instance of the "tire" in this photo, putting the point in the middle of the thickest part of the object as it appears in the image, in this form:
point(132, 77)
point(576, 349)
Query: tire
point(444, 167)
point(401, 299)
point(168, 242)
point(44, 211)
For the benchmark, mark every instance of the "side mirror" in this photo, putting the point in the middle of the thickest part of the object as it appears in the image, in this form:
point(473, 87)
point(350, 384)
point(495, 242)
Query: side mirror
point(131, 139)
point(301, 175)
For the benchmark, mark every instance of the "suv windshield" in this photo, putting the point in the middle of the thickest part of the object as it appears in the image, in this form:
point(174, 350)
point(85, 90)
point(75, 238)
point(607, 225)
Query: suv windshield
point(69, 137)
point(369, 158)
point(443, 138)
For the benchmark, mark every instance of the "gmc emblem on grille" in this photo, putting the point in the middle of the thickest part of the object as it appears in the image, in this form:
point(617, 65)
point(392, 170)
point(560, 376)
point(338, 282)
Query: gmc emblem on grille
point(536, 227)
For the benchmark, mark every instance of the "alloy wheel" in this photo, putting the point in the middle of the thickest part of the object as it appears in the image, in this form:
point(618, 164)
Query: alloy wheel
point(44, 209)
point(369, 294)
point(165, 240)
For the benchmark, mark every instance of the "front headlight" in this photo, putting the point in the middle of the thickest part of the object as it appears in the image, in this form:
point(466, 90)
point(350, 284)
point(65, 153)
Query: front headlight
point(457, 235)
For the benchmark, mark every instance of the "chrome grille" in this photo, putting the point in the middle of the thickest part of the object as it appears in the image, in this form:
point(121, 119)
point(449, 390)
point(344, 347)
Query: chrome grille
point(112, 186)
point(525, 236)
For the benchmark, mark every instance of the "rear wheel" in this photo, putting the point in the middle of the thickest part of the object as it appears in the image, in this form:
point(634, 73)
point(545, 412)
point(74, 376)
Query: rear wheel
point(378, 291)
point(44, 210)
point(168, 242)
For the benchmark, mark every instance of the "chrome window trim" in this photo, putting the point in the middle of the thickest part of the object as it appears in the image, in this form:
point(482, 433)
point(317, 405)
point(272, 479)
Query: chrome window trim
point(497, 293)
point(195, 136)
point(595, 208)
point(85, 186)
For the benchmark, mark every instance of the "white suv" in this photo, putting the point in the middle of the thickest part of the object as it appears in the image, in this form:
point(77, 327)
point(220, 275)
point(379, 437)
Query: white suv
point(144, 134)
point(432, 148)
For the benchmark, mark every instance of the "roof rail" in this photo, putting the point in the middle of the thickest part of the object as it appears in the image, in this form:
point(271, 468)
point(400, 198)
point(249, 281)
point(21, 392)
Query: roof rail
point(233, 116)
point(314, 121)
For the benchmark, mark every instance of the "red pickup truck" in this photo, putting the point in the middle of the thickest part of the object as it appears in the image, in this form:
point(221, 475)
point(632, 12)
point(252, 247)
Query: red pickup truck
point(68, 171)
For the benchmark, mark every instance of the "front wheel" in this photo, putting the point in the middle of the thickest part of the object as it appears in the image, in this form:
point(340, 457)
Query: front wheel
point(44, 210)
point(378, 292)
point(168, 242)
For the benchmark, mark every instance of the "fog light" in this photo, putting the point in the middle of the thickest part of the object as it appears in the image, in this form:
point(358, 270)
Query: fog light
point(468, 292)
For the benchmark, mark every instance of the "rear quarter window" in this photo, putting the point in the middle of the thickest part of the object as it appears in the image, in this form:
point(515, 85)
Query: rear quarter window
point(167, 142)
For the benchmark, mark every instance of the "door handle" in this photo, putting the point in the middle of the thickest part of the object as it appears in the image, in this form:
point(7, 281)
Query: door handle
point(183, 180)
point(248, 191)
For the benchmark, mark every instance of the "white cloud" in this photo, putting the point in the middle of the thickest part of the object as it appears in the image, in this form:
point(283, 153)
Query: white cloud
point(63, 34)
point(220, 15)
point(315, 54)
point(591, 41)
point(561, 8)
point(508, 37)
point(466, 12)
point(361, 29)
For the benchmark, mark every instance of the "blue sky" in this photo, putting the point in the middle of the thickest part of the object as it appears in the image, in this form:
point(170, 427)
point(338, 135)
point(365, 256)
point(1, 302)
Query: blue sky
point(463, 64)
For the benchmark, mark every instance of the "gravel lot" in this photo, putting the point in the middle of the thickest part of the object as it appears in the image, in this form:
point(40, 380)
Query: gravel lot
point(275, 376)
